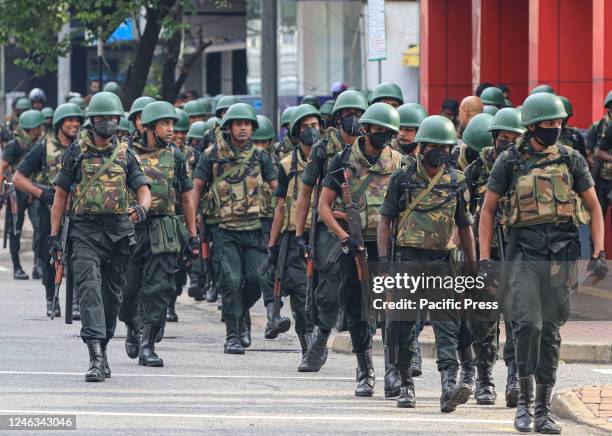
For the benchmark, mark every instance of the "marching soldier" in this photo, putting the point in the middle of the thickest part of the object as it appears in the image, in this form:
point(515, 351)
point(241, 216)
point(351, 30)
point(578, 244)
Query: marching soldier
point(195, 111)
point(411, 115)
point(368, 164)
point(48, 116)
point(570, 136)
point(544, 184)
point(97, 172)
point(29, 132)
point(327, 120)
point(224, 103)
point(427, 199)
point(44, 161)
point(135, 113)
point(288, 143)
point(232, 172)
point(348, 108)
point(387, 92)
point(493, 96)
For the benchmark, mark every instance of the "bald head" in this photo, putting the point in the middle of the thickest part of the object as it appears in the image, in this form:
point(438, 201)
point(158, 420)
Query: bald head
point(469, 107)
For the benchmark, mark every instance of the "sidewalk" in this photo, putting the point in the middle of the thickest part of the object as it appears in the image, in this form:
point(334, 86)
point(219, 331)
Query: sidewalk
point(591, 405)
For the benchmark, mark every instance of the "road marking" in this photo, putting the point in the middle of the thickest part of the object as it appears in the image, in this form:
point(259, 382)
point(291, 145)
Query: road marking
point(258, 417)
point(604, 371)
point(594, 292)
point(4, 269)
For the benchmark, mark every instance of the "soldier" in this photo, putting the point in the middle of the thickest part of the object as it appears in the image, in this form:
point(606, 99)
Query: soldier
point(195, 111)
point(387, 92)
point(544, 184)
point(597, 130)
point(411, 115)
point(470, 106)
point(603, 181)
point(493, 96)
point(305, 125)
point(288, 143)
point(79, 101)
point(311, 100)
point(210, 130)
point(368, 163)
point(427, 199)
point(570, 136)
point(224, 103)
point(37, 98)
point(112, 87)
point(490, 109)
point(11, 122)
point(29, 132)
point(542, 88)
point(348, 108)
point(326, 114)
point(123, 130)
point(43, 161)
point(48, 116)
point(505, 128)
point(153, 263)
point(97, 171)
point(232, 173)
point(135, 112)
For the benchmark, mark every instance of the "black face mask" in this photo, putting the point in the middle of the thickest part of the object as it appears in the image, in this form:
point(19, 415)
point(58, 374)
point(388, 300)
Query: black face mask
point(105, 128)
point(501, 146)
point(350, 124)
point(309, 135)
point(471, 155)
point(409, 148)
point(380, 140)
point(436, 157)
point(547, 136)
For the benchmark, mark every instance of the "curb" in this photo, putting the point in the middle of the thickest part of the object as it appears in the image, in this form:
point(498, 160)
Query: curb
point(571, 352)
point(565, 404)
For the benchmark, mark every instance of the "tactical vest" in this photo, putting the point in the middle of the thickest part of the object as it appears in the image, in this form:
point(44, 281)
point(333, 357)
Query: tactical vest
point(541, 191)
point(25, 145)
point(108, 194)
point(236, 189)
point(192, 158)
point(332, 145)
point(368, 183)
point(159, 168)
point(54, 151)
point(268, 199)
point(284, 147)
point(429, 225)
point(294, 167)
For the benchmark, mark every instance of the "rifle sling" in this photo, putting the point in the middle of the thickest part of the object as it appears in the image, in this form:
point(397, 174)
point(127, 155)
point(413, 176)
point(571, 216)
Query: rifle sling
point(432, 184)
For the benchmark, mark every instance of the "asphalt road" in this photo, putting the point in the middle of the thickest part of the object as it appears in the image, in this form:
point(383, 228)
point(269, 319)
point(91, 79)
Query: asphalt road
point(203, 391)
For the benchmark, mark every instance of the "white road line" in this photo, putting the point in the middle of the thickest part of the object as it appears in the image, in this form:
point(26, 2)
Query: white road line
point(258, 417)
point(604, 371)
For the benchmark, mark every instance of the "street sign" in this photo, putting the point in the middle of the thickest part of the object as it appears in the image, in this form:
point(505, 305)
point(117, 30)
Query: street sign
point(377, 41)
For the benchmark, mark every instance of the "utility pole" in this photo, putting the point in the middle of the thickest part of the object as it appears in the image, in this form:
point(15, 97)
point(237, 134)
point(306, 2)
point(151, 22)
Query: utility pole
point(269, 61)
point(63, 68)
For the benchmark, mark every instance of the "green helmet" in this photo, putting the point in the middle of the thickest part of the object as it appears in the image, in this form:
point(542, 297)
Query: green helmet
point(112, 87)
point(158, 110)
point(124, 124)
point(327, 107)
point(104, 103)
point(542, 106)
point(567, 105)
point(387, 90)
point(542, 88)
point(286, 115)
point(411, 114)
point(507, 102)
point(608, 99)
point(211, 123)
point(493, 96)
point(311, 100)
point(381, 114)
point(182, 125)
point(265, 131)
point(78, 101)
point(436, 129)
point(47, 112)
point(350, 99)
point(508, 119)
point(196, 130)
point(225, 102)
point(67, 110)
point(31, 119)
point(477, 134)
point(207, 102)
point(240, 111)
point(138, 105)
point(194, 108)
point(23, 104)
point(490, 109)
point(299, 113)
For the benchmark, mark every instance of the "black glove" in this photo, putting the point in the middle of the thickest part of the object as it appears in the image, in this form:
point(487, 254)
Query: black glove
point(597, 266)
point(191, 250)
point(137, 213)
point(273, 255)
point(302, 244)
point(351, 246)
point(55, 248)
point(47, 195)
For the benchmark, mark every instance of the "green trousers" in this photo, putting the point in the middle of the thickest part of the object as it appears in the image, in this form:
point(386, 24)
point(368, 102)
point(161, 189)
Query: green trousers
point(328, 275)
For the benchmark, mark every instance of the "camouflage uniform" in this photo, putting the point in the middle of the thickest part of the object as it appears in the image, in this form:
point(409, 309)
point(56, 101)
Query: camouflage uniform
point(100, 228)
point(571, 137)
point(284, 147)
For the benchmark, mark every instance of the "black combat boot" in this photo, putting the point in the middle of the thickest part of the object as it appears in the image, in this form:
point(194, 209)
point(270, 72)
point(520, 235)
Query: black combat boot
point(244, 330)
point(276, 323)
point(304, 340)
point(543, 421)
point(19, 273)
point(468, 371)
point(95, 373)
point(146, 354)
point(171, 315)
point(232, 339)
point(406, 396)
point(392, 378)
point(512, 385)
point(523, 420)
point(107, 370)
point(160, 333)
point(485, 387)
point(417, 361)
point(132, 341)
point(211, 293)
point(316, 355)
point(452, 394)
point(365, 374)
point(195, 289)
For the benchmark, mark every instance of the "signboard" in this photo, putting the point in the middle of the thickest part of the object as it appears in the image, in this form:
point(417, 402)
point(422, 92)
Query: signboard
point(377, 41)
point(411, 56)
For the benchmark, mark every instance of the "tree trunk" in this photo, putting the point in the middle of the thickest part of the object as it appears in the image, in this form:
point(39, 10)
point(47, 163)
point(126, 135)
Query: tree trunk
point(172, 53)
